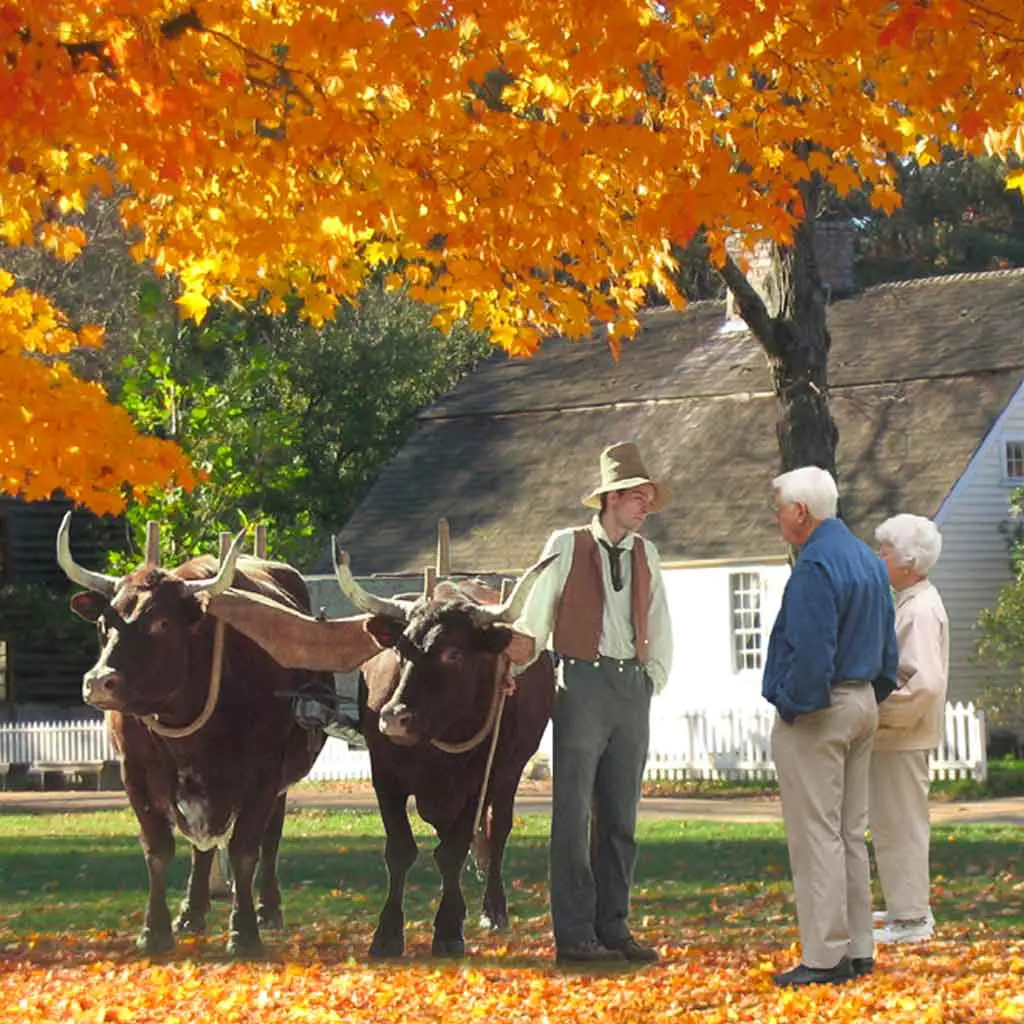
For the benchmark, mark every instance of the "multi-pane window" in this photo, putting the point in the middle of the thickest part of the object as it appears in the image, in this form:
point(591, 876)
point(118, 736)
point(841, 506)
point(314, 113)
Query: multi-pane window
point(1014, 463)
point(747, 638)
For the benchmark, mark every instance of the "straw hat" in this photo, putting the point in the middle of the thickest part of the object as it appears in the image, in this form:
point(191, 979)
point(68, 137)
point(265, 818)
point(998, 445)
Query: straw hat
point(621, 469)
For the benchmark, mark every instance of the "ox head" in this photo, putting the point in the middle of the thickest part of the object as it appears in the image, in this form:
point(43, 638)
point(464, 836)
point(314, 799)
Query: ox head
point(146, 621)
point(448, 656)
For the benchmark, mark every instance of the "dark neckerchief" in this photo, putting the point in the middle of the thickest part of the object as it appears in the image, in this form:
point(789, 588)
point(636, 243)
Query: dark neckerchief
point(614, 556)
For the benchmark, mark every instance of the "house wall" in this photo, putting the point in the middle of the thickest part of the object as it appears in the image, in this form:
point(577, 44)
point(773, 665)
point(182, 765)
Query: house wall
point(975, 562)
point(704, 675)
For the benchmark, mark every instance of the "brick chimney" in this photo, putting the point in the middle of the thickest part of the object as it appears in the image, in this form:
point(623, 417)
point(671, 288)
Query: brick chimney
point(833, 247)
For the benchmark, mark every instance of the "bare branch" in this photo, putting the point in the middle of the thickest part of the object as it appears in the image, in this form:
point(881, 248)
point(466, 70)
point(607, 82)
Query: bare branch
point(750, 305)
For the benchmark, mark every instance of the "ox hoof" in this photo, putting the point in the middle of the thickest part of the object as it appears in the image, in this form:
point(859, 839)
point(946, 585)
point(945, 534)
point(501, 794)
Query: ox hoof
point(153, 943)
point(451, 948)
point(388, 947)
point(270, 919)
point(494, 922)
point(189, 924)
point(245, 947)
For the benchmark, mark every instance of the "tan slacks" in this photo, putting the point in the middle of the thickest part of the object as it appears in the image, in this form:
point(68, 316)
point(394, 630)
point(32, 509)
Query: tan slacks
point(900, 830)
point(823, 760)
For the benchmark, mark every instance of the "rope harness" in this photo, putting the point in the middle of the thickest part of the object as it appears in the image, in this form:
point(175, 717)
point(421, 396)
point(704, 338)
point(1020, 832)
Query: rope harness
point(178, 732)
point(492, 725)
point(480, 735)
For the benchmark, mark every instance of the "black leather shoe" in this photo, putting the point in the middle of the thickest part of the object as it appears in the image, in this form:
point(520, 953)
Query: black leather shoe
point(804, 975)
point(862, 965)
point(633, 951)
point(589, 952)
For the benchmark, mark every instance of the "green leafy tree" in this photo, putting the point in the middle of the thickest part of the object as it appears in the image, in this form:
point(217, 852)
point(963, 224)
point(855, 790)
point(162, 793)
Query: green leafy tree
point(289, 424)
point(957, 215)
point(1002, 633)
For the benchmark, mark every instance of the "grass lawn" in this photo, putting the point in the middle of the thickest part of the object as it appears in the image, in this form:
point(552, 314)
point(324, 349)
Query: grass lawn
point(715, 897)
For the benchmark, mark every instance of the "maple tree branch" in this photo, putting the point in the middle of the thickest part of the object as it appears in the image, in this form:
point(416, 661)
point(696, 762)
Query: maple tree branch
point(997, 16)
point(750, 304)
point(190, 21)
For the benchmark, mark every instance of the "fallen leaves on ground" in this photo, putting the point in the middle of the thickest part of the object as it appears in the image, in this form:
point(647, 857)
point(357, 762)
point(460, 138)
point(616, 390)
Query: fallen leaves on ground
point(326, 977)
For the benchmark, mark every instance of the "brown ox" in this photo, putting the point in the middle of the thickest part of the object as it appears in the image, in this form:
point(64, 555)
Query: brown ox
point(432, 701)
point(216, 765)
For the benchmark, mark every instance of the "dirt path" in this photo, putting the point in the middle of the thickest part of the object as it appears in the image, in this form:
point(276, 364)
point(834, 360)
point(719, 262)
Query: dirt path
point(531, 800)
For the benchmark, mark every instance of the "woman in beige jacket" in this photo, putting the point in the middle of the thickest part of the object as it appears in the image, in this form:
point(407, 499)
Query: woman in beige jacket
point(910, 725)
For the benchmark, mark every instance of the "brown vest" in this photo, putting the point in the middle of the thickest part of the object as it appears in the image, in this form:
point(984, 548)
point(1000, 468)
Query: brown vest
point(580, 612)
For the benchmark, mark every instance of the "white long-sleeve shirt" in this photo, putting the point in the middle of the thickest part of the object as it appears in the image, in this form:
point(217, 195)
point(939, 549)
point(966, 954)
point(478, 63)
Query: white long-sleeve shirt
point(911, 718)
point(617, 638)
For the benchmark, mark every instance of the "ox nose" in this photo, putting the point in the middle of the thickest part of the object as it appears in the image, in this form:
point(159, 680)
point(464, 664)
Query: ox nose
point(99, 689)
point(396, 721)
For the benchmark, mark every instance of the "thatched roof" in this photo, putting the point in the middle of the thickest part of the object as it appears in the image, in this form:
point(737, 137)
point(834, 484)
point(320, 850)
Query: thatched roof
point(919, 372)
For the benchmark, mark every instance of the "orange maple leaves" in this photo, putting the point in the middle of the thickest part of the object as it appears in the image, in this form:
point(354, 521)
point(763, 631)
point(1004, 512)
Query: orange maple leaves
point(529, 171)
point(513, 982)
point(57, 431)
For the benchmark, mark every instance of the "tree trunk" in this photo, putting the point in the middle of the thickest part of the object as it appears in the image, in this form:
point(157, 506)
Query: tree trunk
point(788, 317)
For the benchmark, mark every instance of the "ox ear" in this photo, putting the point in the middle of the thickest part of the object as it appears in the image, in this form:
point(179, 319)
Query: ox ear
point(386, 631)
point(517, 646)
point(88, 605)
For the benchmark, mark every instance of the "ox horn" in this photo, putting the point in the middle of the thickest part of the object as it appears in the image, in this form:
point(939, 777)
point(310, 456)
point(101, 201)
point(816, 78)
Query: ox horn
point(489, 615)
point(97, 582)
point(226, 573)
point(363, 599)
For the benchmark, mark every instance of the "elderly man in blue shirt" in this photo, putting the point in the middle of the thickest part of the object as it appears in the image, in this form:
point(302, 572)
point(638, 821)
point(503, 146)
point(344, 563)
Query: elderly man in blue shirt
point(831, 658)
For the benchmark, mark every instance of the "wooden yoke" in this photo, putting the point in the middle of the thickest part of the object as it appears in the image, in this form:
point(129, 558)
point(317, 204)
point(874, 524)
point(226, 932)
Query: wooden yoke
point(442, 567)
point(443, 563)
point(152, 543)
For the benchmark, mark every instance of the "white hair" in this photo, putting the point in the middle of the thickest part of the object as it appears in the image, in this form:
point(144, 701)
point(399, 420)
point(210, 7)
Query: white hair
point(811, 486)
point(915, 540)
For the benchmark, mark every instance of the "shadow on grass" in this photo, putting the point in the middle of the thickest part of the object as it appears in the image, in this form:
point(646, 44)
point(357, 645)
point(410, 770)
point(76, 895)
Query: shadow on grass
point(77, 887)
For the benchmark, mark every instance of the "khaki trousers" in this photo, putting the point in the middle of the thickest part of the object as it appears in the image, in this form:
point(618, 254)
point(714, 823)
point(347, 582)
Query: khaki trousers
point(823, 760)
point(900, 830)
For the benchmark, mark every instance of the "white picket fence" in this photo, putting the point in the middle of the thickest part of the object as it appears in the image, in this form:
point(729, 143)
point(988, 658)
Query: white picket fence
point(45, 742)
point(338, 762)
point(727, 745)
point(737, 745)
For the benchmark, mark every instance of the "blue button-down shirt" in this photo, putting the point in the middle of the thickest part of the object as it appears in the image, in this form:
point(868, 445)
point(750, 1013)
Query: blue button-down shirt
point(836, 623)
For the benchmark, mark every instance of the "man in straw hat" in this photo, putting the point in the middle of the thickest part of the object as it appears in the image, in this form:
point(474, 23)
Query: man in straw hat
point(602, 602)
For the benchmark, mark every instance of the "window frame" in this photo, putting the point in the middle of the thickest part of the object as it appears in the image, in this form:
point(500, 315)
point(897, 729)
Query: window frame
point(746, 624)
point(1004, 460)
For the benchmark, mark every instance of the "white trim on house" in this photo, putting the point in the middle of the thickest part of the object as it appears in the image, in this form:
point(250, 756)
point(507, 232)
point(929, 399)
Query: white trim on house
point(714, 563)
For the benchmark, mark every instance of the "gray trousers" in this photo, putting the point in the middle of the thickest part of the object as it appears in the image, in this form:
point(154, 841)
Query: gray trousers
point(600, 738)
